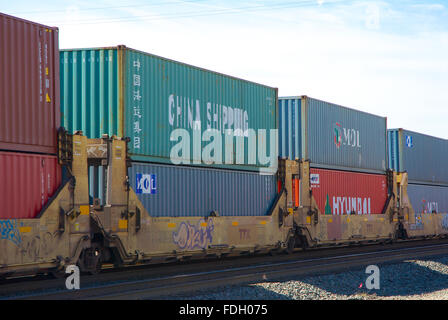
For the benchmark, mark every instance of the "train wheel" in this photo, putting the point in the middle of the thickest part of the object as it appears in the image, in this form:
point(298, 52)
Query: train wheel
point(291, 244)
point(58, 274)
point(90, 260)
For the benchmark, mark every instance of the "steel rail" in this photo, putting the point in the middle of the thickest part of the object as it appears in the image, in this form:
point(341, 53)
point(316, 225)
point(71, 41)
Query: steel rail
point(187, 282)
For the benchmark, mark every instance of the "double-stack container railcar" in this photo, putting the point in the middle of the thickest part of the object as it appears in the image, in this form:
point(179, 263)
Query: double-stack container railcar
point(175, 162)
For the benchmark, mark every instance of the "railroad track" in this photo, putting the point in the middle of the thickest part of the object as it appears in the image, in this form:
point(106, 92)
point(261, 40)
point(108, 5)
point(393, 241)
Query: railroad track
point(156, 282)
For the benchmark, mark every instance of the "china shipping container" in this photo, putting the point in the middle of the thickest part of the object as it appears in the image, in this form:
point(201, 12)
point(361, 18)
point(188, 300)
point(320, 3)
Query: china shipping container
point(343, 192)
point(423, 157)
point(27, 182)
point(428, 199)
point(331, 136)
point(130, 93)
point(29, 86)
point(179, 191)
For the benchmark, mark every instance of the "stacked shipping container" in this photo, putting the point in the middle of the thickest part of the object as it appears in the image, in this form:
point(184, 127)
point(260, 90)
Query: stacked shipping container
point(27, 182)
point(428, 199)
point(178, 115)
point(29, 116)
point(331, 136)
point(130, 93)
point(346, 149)
point(29, 84)
point(175, 191)
point(342, 192)
point(424, 159)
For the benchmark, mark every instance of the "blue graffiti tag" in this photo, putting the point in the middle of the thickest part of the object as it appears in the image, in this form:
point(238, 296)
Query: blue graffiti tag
point(197, 236)
point(9, 230)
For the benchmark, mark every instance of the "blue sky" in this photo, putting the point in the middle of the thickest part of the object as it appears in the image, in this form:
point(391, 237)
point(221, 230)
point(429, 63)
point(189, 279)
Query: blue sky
point(384, 57)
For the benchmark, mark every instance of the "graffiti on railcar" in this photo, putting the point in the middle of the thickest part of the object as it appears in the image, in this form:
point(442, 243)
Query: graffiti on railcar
point(194, 236)
point(9, 230)
point(418, 225)
point(445, 222)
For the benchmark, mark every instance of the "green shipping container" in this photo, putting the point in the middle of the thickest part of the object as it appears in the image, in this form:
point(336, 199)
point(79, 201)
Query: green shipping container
point(125, 92)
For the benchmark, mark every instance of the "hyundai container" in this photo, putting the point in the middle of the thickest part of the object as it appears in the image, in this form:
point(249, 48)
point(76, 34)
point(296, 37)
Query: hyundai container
point(344, 193)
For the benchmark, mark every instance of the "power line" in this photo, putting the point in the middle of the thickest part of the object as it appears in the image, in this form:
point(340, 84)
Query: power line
point(108, 7)
point(238, 10)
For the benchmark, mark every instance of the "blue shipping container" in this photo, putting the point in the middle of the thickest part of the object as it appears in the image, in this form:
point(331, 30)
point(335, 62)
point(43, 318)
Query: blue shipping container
point(180, 191)
point(423, 157)
point(428, 199)
point(331, 136)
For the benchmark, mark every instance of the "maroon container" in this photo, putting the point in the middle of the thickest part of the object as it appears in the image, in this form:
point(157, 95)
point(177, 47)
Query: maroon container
point(27, 182)
point(29, 86)
point(343, 192)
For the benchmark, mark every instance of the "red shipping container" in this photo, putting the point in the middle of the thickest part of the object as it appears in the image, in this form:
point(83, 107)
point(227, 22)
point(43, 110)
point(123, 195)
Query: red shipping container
point(29, 86)
point(27, 181)
point(342, 192)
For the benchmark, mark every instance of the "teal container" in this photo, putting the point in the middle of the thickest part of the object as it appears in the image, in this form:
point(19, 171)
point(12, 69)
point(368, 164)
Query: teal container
point(125, 92)
point(90, 94)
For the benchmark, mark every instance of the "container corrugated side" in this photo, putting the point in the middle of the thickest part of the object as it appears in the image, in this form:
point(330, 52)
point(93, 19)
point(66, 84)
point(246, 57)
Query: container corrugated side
point(290, 136)
point(168, 95)
point(343, 192)
point(97, 183)
point(178, 191)
point(146, 98)
point(393, 150)
point(90, 92)
point(27, 182)
point(428, 199)
point(29, 86)
point(423, 157)
point(331, 136)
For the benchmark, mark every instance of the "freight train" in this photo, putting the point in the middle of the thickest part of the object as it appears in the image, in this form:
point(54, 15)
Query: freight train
point(113, 155)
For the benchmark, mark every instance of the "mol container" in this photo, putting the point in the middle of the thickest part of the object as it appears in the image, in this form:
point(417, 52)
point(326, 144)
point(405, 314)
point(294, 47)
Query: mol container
point(29, 86)
point(343, 192)
point(423, 157)
point(331, 136)
point(172, 112)
point(428, 199)
point(27, 182)
point(178, 191)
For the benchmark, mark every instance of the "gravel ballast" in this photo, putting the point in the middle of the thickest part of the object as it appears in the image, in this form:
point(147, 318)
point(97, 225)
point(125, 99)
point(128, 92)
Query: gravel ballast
point(411, 279)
